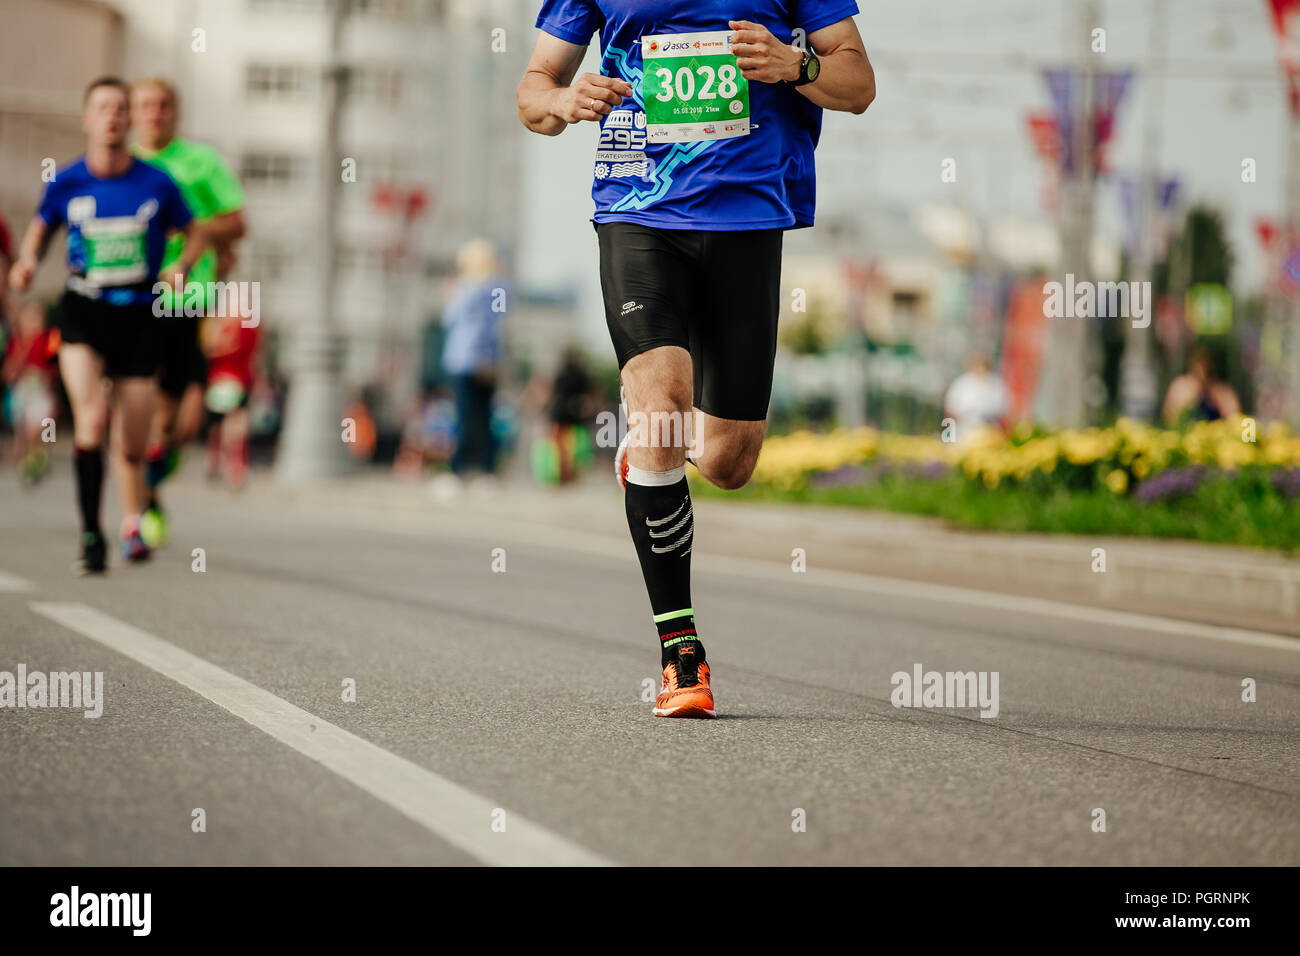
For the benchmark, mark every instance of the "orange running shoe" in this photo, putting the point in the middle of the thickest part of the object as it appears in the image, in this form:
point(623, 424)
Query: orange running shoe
point(620, 464)
point(685, 690)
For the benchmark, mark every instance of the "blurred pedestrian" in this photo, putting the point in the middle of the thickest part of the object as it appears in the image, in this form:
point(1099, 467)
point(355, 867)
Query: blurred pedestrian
point(1198, 394)
point(363, 437)
point(230, 347)
point(428, 435)
point(472, 352)
point(6, 258)
point(565, 450)
point(28, 372)
point(977, 398)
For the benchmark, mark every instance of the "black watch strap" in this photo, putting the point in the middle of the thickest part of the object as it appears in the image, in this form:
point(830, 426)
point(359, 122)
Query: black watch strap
point(809, 69)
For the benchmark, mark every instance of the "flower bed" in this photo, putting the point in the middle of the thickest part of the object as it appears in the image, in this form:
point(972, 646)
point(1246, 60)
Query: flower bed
point(1208, 481)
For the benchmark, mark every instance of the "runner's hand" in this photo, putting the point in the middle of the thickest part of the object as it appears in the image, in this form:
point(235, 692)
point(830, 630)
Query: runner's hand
point(762, 56)
point(590, 97)
point(21, 274)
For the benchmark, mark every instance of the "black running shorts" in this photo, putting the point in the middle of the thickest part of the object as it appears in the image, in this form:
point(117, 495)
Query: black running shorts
point(183, 361)
point(125, 336)
point(716, 294)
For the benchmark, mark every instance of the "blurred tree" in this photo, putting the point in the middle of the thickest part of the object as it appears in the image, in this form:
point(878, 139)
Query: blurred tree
point(808, 333)
point(1199, 252)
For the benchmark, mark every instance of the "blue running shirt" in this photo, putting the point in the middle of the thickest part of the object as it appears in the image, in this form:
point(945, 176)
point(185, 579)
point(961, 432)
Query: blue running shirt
point(117, 228)
point(765, 180)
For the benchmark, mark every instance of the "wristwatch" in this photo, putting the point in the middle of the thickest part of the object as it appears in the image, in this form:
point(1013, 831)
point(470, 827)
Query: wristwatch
point(809, 70)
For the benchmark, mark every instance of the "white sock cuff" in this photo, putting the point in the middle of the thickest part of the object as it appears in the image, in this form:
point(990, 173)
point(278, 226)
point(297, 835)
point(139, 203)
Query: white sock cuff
point(654, 479)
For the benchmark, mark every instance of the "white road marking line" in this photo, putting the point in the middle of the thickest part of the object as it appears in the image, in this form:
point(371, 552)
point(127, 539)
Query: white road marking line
point(447, 810)
point(901, 587)
point(12, 584)
point(609, 547)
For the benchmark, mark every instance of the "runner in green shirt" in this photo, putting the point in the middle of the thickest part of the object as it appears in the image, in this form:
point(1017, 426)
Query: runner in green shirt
point(213, 193)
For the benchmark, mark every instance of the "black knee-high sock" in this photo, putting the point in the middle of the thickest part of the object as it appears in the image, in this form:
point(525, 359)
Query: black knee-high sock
point(90, 483)
point(663, 530)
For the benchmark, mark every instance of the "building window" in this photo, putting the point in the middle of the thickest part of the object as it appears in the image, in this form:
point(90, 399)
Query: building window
point(259, 169)
point(267, 261)
point(397, 9)
point(275, 81)
point(376, 86)
point(285, 6)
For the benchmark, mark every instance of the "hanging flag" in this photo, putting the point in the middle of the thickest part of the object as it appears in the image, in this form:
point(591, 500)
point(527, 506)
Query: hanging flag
point(1291, 273)
point(1286, 23)
point(1046, 136)
point(1108, 92)
point(1060, 86)
point(1164, 196)
point(1267, 230)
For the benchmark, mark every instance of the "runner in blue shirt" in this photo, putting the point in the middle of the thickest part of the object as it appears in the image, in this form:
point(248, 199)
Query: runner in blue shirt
point(709, 114)
point(118, 211)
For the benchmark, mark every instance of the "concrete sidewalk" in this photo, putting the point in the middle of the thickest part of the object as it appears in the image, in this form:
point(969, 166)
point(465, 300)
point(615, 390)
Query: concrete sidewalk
point(1210, 583)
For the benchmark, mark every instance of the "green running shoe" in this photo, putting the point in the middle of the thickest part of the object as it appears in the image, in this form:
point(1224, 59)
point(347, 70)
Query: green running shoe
point(153, 528)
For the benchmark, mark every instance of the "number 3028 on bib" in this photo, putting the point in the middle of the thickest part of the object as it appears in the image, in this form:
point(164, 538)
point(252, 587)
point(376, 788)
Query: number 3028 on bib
point(693, 89)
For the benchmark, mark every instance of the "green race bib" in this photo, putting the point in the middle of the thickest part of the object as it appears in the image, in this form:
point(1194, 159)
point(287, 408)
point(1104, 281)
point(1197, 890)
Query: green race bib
point(693, 88)
point(115, 251)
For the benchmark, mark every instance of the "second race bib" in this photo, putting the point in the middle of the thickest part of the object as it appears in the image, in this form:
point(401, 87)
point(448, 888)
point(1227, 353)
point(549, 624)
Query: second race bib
point(692, 88)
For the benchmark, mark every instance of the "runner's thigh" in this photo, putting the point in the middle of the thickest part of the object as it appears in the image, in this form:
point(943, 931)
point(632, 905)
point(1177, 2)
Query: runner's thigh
point(646, 281)
point(733, 337)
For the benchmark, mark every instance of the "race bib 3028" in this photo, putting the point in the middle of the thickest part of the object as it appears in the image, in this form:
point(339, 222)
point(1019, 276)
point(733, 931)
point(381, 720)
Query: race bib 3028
point(693, 89)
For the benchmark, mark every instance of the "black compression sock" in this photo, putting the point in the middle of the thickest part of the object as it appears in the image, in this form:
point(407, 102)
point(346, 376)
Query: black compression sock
point(663, 529)
point(89, 463)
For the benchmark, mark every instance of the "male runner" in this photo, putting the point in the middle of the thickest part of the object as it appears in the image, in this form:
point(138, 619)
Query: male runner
point(214, 196)
point(118, 212)
point(708, 126)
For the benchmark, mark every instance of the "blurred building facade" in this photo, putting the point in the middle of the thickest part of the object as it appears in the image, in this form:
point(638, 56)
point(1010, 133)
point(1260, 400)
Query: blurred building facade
point(40, 97)
point(429, 168)
point(914, 267)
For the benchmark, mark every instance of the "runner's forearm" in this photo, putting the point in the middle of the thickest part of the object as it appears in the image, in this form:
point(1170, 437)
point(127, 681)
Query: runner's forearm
point(225, 228)
point(536, 98)
point(35, 240)
point(847, 82)
point(545, 93)
point(196, 240)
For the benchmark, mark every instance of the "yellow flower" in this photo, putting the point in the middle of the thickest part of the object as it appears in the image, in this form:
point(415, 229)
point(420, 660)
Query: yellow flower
point(1117, 481)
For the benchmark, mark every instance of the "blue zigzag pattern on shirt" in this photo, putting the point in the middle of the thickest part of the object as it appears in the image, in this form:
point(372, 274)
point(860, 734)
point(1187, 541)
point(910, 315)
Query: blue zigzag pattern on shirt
point(682, 153)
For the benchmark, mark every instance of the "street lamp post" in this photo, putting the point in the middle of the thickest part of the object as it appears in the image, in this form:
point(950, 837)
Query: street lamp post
point(1069, 357)
point(311, 445)
point(1137, 380)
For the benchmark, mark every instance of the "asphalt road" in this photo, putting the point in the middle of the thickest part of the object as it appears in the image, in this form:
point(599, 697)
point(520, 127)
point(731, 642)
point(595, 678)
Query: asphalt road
point(499, 716)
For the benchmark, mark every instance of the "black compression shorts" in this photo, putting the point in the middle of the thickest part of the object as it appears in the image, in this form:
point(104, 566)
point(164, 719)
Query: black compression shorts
point(183, 361)
point(716, 294)
point(125, 336)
